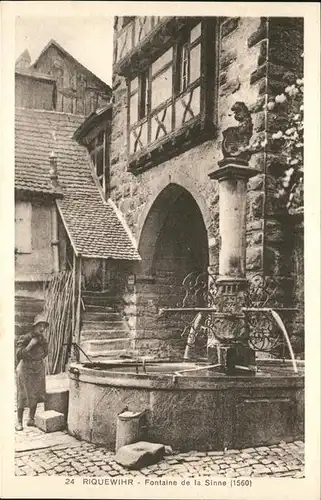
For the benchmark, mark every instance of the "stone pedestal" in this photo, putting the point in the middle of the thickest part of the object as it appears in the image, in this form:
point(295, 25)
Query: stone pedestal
point(229, 324)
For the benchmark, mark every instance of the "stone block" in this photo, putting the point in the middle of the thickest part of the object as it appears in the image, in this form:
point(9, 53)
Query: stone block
point(229, 25)
point(227, 58)
point(230, 87)
point(253, 258)
point(139, 455)
point(259, 34)
point(57, 400)
point(257, 204)
point(50, 421)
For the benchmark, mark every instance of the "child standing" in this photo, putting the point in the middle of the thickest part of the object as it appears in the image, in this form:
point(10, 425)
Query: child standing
point(31, 351)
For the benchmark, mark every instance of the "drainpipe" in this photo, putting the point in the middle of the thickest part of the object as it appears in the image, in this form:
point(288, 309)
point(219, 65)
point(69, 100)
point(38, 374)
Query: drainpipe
point(53, 172)
point(54, 239)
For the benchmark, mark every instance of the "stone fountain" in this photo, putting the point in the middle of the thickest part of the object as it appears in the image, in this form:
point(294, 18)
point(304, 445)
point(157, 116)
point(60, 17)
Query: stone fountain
point(229, 400)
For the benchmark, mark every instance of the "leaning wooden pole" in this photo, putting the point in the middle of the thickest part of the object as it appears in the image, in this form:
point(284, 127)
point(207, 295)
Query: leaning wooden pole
point(74, 350)
point(78, 311)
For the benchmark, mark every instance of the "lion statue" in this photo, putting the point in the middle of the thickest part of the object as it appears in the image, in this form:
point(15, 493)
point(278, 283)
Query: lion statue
point(236, 139)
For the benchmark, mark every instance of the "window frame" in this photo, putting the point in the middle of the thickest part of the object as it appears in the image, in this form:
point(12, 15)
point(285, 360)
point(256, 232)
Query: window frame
point(94, 148)
point(182, 39)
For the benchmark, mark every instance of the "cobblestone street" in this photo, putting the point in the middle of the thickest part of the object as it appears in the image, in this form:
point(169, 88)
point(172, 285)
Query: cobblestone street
point(58, 453)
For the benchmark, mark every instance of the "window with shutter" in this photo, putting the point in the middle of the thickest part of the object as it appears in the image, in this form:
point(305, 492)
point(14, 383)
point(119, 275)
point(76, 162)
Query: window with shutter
point(23, 212)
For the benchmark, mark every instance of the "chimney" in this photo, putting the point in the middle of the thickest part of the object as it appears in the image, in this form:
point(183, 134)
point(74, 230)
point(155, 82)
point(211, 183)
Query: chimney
point(53, 170)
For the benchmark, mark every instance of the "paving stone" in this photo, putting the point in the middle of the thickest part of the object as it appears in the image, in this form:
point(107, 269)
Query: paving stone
point(19, 472)
point(262, 448)
point(278, 462)
point(231, 473)
point(251, 461)
point(245, 471)
point(106, 467)
point(262, 470)
point(214, 467)
point(79, 458)
point(113, 473)
point(59, 468)
point(172, 461)
point(192, 459)
point(178, 467)
point(229, 460)
point(278, 469)
point(237, 465)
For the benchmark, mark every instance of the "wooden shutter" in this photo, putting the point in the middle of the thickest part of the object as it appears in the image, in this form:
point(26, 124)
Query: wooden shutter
point(23, 212)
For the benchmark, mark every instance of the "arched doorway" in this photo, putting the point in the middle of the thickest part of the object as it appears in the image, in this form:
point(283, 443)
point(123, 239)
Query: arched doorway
point(173, 243)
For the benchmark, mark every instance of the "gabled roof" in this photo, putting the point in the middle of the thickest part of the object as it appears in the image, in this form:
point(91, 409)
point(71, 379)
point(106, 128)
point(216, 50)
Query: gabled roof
point(100, 115)
point(53, 43)
point(95, 228)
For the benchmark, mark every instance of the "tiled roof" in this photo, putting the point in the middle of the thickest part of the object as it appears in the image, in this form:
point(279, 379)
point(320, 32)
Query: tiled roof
point(94, 227)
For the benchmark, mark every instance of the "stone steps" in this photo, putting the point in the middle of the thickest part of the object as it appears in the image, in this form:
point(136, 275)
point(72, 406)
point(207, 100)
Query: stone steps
point(113, 319)
point(97, 346)
point(106, 355)
point(107, 299)
point(100, 315)
point(104, 334)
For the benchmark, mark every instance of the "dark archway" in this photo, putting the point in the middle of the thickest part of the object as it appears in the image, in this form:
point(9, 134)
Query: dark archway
point(173, 244)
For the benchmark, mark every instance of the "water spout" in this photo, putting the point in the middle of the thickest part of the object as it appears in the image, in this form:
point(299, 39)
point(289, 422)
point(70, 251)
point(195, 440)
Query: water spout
point(281, 325)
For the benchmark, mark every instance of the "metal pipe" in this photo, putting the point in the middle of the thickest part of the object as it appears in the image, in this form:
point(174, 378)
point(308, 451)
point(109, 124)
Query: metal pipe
point(54, 239)
point(246, 368)
point(268, 309)
point(199, 368)
point(186, 309)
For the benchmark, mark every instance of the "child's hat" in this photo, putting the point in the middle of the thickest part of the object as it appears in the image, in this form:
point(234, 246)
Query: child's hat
point(40, 318)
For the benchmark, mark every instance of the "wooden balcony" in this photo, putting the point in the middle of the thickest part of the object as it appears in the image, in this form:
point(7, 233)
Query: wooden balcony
point(142, 38)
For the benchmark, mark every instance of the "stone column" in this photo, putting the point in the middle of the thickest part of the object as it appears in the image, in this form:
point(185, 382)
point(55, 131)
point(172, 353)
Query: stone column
point(229, 326)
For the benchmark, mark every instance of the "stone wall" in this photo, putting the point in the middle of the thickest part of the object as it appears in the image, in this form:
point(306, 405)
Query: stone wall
point(297, 327)
point(251, 67)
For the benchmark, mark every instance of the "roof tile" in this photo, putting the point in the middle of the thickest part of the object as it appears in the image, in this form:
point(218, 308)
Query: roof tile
point(92, 223)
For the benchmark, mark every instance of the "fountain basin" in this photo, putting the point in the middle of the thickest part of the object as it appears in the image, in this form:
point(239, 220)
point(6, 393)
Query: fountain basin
point(196, 410)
